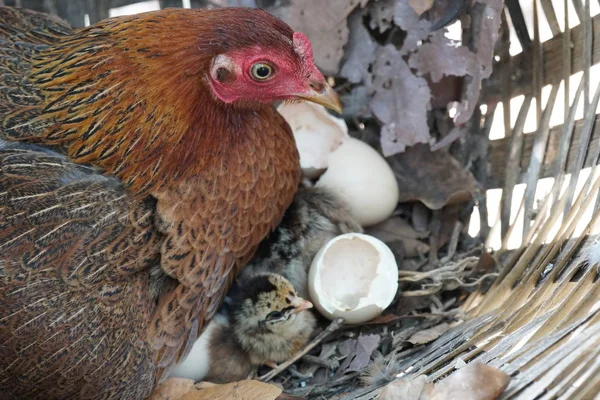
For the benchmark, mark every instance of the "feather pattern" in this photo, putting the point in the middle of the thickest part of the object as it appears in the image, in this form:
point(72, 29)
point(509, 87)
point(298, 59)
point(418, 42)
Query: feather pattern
point(73, 252)
point(177, 182)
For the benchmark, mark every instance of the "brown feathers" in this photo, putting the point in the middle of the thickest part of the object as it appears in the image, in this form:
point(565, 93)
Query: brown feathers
point(196, 185)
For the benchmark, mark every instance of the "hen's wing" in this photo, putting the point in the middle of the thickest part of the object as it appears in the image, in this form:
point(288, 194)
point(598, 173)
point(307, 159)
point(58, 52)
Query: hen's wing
point(75, 298)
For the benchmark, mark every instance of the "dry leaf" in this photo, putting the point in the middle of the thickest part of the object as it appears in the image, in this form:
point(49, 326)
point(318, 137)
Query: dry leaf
point(357, 352)
point(242, 390)
point(429, 335)
point(443, 12)
point(434, 178)
point(356, 103)
point(420, 6)
point(485, 40)
point(416, 29)
point(172, 389)
point(325, 25)
point(400, 236)
point(441, 57)
point(382, 14)
point(360, 51)
point(365, 345)
point(476, 381)
point(486, 263)
point(404, 389)
point(395, 228)
point(400, 101)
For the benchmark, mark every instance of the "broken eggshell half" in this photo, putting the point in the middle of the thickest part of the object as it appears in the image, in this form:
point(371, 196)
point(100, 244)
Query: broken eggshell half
point(317, 134)
point(354, 276)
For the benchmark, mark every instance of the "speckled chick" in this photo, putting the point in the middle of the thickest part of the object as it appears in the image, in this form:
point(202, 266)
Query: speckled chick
point(315, 216)
point(262, 322)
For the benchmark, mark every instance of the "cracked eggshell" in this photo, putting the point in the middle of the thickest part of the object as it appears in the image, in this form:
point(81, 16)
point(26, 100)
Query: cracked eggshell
point(361, 177)
point(354, 276)
point(317, 134)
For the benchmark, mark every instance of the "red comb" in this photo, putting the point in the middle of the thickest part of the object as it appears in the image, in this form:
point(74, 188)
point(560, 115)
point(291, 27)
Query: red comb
point(302, 46)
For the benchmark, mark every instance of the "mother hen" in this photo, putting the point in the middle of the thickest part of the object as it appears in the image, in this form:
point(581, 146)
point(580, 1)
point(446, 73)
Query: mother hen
point(141, 163)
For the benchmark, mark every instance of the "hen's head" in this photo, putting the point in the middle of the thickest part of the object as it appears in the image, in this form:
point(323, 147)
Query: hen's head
point(262, 59)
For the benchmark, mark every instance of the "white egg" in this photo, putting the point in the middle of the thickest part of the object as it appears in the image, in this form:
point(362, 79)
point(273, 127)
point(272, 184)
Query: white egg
point(361, 177)
point(317, 134)
point(354, 276)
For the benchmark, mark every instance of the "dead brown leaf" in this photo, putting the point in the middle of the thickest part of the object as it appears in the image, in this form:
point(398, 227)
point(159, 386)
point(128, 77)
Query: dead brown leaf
point(420, 6)
point(476, 381)
point(242, 390)
point(357, 352)
point(442, 57)
point(405, 389)
point(172, 389)
point(325, 25)
point(400, 102)
point(429, 335)
point(416, 28)
point(434, 178)
point(395, 228)
point(486, 263)
point(485, 41)
point(382, 14)
point(395, 232)
point(360, 51)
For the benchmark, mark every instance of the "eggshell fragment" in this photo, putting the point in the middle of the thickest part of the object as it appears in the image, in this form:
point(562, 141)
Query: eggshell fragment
point(354, 276)
point(361, 177)
point(317, 134)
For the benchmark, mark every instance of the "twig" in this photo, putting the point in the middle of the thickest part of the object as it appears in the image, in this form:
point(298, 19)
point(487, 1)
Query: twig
point(453, 242)
point(434, 227)
point(334, 326)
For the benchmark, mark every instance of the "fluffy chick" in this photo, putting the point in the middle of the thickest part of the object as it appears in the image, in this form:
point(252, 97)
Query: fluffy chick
point(315, 216)
point(263, 321)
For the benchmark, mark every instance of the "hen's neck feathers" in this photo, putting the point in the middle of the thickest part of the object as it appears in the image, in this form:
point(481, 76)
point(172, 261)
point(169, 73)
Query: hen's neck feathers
point(130, 95)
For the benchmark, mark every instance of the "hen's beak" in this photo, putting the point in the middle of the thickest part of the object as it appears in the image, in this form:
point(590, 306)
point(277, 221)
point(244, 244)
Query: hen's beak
point(323, 94)
point(300, 304)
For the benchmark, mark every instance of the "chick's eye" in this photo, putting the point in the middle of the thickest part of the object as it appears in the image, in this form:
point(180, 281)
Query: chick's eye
point(274, 315)
point(261, 71)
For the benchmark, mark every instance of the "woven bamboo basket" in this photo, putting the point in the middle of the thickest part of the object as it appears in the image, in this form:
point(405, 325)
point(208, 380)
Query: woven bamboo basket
point(539, 321)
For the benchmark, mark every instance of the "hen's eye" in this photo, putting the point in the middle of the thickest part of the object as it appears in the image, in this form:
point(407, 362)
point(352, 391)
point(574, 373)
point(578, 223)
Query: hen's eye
point(260, 71)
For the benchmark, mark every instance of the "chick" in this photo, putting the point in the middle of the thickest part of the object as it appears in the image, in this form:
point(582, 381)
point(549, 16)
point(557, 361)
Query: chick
point(263, 321)
point(315, 216)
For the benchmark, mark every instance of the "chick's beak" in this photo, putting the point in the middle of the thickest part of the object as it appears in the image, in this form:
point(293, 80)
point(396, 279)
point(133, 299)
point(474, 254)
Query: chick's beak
point(321, 93)
point(300, 304)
